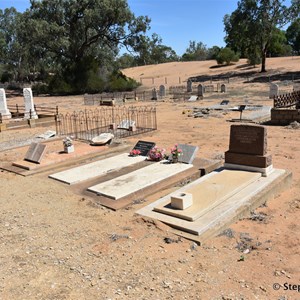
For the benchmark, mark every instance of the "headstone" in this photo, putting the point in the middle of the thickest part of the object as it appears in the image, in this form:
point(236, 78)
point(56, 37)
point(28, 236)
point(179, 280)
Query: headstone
point(144, 147)
point(248, 147)
point(154, 94)
point(274, 91)
point(35, 152)
point(223, 88)
point(188, 153)
point(5, 114)
point(162, 91)
point(189, 87)
point(30, 112)
point(125, 124)
point(200, 90)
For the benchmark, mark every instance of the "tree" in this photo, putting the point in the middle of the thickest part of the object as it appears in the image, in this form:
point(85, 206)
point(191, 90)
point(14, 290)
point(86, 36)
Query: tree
point(226, 55)
point(252, 25)
point(195, 51)
point(293, 35)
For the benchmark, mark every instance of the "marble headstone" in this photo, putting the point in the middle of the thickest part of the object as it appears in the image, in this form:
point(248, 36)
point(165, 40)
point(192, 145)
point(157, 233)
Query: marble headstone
point(30, 112)
point(5, 114)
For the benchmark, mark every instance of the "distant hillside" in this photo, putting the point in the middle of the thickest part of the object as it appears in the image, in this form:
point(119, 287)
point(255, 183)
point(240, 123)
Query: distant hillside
point(177, 73)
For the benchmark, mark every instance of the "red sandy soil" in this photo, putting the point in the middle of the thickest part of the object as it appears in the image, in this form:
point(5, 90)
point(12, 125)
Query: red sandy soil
point(56, 244)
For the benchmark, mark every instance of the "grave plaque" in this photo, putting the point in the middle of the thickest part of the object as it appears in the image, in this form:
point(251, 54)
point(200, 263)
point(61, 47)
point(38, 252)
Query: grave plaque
point(144, 147)
point(162, 91)
point(223, 88)
point(35, 152)
point(154, 94)
point(188, 153)
point(248, 139)
point(189, 87)
point(200, 90)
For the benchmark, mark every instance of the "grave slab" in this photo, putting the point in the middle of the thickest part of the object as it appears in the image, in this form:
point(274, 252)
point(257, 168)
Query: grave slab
point(94, 169)
point(227, 212)
point(135, 181)
point(210, 193)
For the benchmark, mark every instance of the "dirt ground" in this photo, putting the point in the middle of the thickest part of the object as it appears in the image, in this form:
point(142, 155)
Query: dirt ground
point(56, 244)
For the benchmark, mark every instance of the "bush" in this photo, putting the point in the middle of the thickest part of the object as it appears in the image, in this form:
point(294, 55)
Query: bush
point(226, 55)
point(40, 88)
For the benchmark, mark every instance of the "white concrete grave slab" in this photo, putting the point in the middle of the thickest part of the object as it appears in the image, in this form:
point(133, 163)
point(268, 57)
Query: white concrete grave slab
point(95, 169)
point(132, 182)
point(5, 113)
point(29, 105)
point(221, 216)
point(210, 193)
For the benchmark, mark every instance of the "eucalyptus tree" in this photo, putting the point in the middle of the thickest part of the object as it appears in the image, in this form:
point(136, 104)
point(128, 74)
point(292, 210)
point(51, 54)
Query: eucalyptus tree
point(251, 27)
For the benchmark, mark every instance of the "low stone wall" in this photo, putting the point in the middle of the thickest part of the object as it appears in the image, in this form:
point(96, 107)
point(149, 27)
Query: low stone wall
point(284, 116)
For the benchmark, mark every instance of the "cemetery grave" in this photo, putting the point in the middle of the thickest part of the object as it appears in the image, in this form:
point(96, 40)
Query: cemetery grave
point(211, 203)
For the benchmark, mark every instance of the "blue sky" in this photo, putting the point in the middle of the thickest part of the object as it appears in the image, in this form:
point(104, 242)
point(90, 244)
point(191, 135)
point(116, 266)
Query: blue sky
point(176, 21)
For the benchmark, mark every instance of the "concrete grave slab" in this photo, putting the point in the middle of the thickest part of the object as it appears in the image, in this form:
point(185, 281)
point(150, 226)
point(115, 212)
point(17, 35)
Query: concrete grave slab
point(98, 168)
point(188, 153)
point(47, 135)
point(221, 216)
point(210, 193)
point(137, 180)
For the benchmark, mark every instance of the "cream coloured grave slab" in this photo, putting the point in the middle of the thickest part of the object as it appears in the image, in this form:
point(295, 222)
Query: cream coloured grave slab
point(137, 180)
point(98, 168)
point(210, 193)
point(231, 209)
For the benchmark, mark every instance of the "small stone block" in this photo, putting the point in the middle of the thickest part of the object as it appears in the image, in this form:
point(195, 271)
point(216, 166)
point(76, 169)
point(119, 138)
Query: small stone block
point(132, 128)
point(181, 200)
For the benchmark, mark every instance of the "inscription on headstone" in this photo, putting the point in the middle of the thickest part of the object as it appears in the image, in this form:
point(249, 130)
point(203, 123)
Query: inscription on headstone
point(144, 147)
point(30, 112)
point(3, 105)
point(35, 152)
point(188, 153)
point(248, 139)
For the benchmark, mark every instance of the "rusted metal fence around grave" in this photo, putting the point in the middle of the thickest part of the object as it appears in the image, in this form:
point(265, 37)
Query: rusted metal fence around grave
point(84, 125)
point(290, 100)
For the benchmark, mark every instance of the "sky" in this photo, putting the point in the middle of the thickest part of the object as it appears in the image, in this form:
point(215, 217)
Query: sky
point(177, 22)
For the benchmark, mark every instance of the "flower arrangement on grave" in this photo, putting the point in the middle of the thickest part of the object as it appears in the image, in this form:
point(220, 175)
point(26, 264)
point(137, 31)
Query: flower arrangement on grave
point(156, 153)
point(68, 142)
point(134, 152)
point(175, 153)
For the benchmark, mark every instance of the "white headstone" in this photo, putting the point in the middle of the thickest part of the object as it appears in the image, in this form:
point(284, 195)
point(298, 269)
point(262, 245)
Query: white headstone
point(274, 90)
point(30, 112)
point(3, 105)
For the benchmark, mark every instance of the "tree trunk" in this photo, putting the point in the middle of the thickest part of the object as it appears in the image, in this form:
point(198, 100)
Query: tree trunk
point(263, 61)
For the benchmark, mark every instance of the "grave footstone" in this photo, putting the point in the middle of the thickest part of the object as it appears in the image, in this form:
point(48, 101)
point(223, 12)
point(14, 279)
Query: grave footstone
point(188, 153)
point(5, 113)
point(35, 152)
point(144, 147)
point(30, 112)
point(274, 91)
point(248, 147)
